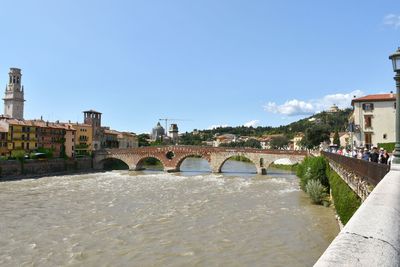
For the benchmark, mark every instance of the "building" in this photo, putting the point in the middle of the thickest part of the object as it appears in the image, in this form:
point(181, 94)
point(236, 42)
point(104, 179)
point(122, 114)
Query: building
point(173, 133)
point(21, 135)
point(158, 133)
point(110, 138)
point(3, 140)
point(70, 135)
point(93, 118)
point(333, 109)
point(128, 140)
point(14, 96)
point(83, 139)
point(296, 141)
point(373, 120)
point(50, 136)
point(224, 139)
point(344, 138)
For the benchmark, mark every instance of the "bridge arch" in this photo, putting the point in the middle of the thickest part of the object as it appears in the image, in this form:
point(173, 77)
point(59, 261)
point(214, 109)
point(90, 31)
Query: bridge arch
point(141, 162)
point(113, 163)
point(192, 155)
point(219, 163)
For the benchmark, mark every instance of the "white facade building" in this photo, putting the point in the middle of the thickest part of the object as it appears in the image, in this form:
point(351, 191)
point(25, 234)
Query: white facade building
point(373, 119)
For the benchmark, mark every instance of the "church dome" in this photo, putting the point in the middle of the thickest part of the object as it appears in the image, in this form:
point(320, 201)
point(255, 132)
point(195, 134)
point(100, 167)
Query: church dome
point(158, 131)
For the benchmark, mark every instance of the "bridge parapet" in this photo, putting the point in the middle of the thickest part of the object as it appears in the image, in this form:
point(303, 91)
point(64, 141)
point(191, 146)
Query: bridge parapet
point(372, 236)
point(360, 175)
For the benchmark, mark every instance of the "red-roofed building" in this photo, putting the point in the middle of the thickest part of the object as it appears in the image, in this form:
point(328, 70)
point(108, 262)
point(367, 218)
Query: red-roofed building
point(373, 118)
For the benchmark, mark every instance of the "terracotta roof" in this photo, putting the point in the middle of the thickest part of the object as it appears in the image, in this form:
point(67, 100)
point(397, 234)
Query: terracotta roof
point(374, 98)
point(3, 129)
point(113, 132)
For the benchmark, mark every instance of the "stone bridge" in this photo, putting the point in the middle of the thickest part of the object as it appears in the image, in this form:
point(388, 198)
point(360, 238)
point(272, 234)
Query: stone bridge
point(172, 157)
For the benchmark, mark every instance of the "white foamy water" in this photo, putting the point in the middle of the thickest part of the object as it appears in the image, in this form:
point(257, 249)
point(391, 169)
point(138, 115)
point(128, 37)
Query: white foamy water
point(122, 218)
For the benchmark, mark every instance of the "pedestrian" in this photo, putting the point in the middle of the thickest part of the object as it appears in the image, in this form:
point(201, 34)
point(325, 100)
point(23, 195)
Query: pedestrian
point(360, 154)
point(381, 152)
point(384, 158)
point(374, 155)
point(366, 155)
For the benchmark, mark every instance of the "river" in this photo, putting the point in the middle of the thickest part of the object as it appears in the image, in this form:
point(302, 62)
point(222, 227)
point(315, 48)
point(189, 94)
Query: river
point(150, 218)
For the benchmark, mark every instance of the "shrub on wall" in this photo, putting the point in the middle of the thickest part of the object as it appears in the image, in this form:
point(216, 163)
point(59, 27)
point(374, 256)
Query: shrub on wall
point(389, 147)
point(313, 168)
point(346, 201)
point(316, 191)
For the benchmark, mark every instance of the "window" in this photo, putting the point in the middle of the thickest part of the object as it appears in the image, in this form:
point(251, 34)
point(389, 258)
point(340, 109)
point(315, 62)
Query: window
point(368, 121)
point(368, 138)
point(368, 106)
point(384, 136)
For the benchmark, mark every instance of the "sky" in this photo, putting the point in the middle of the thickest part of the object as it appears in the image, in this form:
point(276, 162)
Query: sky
point(203, 63)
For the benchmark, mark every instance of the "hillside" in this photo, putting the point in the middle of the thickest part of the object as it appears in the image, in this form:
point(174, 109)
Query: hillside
point(333, 121)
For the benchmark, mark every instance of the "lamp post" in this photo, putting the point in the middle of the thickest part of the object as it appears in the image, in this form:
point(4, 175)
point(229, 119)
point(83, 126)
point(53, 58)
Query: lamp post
point(396, 68)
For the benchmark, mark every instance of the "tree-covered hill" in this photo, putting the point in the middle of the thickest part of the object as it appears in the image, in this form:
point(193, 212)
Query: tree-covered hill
point(337, 121)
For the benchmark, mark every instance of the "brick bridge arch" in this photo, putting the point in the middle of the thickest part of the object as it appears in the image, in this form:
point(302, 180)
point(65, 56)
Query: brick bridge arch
point(216, 156)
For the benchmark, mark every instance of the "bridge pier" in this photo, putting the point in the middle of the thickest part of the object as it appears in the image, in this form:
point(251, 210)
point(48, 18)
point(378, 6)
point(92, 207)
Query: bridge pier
point(171, 169)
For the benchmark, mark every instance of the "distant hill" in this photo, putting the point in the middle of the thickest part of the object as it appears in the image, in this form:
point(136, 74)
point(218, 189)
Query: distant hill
point(335, 121)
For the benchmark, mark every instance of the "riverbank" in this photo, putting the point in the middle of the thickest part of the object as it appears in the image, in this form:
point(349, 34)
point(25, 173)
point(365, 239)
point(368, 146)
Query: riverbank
point(28, 169)
point(292, 168)
point(324, 185)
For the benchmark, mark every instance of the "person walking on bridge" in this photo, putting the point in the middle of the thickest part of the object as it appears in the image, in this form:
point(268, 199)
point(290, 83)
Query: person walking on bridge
point(374, 155)
point(366, 155)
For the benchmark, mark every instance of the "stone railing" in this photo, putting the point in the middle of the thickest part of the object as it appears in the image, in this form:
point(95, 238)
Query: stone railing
point(360, 175)
point(372, 236)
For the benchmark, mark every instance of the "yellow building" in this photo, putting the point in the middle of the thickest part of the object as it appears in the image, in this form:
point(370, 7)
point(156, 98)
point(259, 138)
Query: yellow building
point(22, 135)
point(83, 138)
point(3, 140)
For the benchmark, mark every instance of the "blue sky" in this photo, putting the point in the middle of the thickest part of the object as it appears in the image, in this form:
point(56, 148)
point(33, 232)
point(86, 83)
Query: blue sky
point(208, 62)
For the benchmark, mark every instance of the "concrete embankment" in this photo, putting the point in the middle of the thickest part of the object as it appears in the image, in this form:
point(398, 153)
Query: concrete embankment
point(372, 236)
point(13, 169)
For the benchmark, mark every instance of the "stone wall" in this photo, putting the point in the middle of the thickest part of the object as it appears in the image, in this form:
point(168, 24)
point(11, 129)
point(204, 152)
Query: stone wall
point(13, 169)
point(372, 236)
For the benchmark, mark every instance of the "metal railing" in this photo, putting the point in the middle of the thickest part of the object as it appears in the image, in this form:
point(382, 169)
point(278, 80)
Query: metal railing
point(371, 172)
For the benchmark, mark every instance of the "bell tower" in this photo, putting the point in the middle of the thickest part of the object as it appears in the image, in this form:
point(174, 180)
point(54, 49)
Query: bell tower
point(14, 96)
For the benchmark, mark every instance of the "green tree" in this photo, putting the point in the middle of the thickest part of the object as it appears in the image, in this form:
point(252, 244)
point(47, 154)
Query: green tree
point(142, 139)
point(279, 142)
point(315, 135)
point(253, 143)
point(19, 155)
point(336, 139)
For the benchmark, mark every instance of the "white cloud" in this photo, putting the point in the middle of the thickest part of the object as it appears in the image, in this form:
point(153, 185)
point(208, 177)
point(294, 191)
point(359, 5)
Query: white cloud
point(253, 123)
point(217, 126)
point(392, 20)
point(297, 107)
